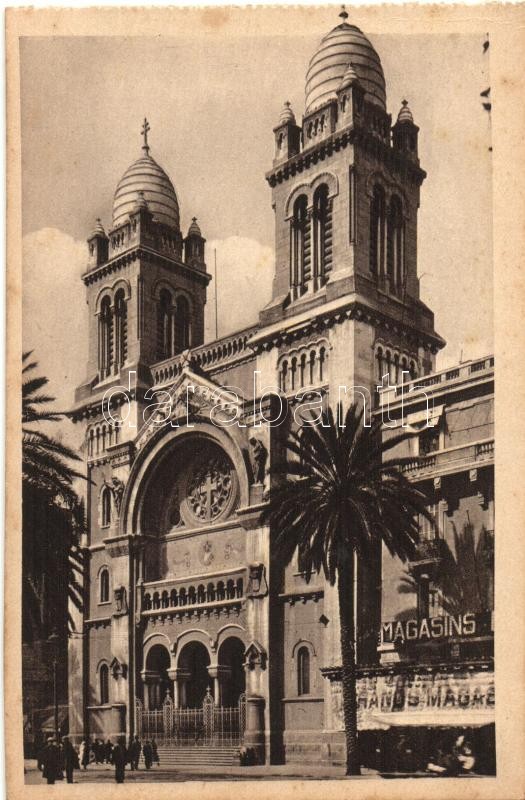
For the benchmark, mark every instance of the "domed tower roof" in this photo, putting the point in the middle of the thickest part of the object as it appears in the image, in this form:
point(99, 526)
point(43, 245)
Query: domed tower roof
point(194, 229)
point(405, 114)
point(146, 176)
point(98, 230)
point(344, 44)
point(287, 114)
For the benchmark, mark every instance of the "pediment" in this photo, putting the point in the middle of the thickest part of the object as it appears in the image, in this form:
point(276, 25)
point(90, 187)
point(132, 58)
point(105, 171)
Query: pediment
point(190, 396)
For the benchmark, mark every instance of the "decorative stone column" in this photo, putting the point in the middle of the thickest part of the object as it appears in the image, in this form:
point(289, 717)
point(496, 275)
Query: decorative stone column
point(180, 678)
point(118, 719)
point(218, 672)
point(254, 735)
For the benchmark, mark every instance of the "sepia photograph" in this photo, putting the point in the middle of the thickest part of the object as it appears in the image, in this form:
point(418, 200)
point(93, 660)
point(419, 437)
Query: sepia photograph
point(257, 492)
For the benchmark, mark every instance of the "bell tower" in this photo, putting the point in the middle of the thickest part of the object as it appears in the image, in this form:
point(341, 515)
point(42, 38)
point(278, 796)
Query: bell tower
point(146, 292)
point(345, 308)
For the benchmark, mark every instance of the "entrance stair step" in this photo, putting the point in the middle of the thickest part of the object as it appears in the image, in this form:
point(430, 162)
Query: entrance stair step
point(198, 756)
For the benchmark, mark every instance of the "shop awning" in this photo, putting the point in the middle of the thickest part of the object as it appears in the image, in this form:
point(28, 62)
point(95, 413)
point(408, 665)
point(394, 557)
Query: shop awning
point(431, 719)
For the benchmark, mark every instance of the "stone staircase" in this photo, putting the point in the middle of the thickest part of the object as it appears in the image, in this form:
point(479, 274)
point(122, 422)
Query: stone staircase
point(180, 756)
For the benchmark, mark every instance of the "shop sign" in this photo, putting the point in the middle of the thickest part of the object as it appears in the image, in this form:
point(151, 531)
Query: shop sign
point(429, 629)
point(463, 695)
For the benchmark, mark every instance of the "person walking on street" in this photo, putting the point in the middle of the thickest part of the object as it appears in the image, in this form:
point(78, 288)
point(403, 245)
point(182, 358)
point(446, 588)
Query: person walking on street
point(134, 753)
point(155, 752)
point(120, 759)
point(148, 754)
point(49, 760)
point(108, 748)
point(70, 758)
point(84, 753)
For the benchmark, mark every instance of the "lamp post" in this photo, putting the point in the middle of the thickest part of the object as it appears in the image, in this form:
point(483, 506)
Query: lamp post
point(54, 640)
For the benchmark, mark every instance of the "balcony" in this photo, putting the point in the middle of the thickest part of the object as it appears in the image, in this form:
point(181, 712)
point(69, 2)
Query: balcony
point(174, 599)
point(429, 555)
point(450, 460)
point(415, 389)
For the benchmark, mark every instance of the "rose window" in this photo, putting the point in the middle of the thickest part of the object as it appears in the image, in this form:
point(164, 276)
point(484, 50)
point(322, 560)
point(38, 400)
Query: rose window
point(210, 489)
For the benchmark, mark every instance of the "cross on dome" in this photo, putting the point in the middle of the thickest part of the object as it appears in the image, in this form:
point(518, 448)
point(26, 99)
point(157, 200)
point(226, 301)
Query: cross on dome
point(344, 13)
point(144, 131)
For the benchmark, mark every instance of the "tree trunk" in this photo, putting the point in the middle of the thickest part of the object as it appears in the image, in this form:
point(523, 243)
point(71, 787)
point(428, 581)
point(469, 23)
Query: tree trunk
point(345, 588)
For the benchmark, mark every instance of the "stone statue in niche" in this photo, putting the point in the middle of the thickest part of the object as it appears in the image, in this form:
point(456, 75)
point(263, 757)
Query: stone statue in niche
point(207, 555)
point(259, 457)
point(118, 491)
point(121, 605)
point(257, 586)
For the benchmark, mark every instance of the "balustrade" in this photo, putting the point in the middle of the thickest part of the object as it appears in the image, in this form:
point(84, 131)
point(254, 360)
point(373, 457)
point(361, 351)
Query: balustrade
point(223, 590)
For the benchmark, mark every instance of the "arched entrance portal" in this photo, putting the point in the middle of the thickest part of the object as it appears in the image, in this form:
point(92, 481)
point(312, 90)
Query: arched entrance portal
point(194, 661)
point(232, 675)
point(157, 681)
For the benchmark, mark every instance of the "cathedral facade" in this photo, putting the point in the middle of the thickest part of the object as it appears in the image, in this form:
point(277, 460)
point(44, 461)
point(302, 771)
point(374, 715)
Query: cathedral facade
point(189, 615)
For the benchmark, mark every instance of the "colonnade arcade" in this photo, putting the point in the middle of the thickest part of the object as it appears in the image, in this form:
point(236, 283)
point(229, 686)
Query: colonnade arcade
point(196, 670)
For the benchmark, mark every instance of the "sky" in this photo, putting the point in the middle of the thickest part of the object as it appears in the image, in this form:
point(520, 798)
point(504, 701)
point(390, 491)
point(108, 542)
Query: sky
point(212, 105)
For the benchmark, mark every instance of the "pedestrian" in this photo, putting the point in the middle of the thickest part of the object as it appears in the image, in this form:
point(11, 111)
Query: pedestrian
point(49, 760)
point(134, 752)
point(148, 754)
point(120, 758)
point(155, 752)
point(84, 753)
point(108, 748)
point(70, 758)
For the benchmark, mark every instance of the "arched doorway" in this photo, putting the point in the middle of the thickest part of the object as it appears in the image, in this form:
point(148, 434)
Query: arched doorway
point(194, 661)
point(233, 678)
point(157, 681)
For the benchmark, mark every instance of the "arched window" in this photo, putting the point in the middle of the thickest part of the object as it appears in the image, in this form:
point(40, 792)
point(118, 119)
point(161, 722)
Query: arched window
point(302, 370)
point(182, 325)
point(322, 232)
point(300, 244)
point(388, 367)
point(404, 370)
point(105, 337)
point(377, 231)
point(395, 267)
point(380, 371)
point(293, 373)
point(284, 376)
point(106, 506)
point(104, 585)
point(312, 366)
point(413, 371)
point(165, 325)
point(121, 328)
point(303, 671)
point(323, 357)
point(103, 678)
point(396, 369)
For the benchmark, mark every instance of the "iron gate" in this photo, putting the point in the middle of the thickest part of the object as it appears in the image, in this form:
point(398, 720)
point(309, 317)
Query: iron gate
point(210, 724)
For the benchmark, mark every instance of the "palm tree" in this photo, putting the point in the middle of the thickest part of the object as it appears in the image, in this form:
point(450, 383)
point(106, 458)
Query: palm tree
point(463, 581)
point(53, 515)
point(336, 497)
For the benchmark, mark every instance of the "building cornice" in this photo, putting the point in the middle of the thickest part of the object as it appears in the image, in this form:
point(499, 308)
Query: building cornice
point(334, 312)
point(147, 254)
point(339, 140)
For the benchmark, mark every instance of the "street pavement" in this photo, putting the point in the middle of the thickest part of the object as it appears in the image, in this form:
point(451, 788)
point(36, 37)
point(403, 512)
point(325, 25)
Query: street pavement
point(105, 773)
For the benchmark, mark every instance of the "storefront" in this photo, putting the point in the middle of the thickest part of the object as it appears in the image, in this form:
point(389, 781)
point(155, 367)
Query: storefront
point(411, 715)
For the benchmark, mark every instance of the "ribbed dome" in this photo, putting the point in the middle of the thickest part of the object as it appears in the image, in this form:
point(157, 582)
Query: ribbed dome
point(146, 176)
point(344, 44)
